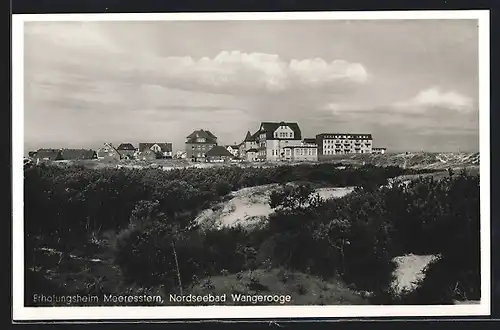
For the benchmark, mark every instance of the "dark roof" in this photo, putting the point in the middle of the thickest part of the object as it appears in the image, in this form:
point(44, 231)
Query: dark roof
point(69, 154)
point(248, 137)
point(234, 146)
point(310, 140)
point(165, 147)
point(270, 127)
point(354, 136)
point(125, 146)
point(252, 150)
point(218, 151)
point(52, 154)
point(210, 138)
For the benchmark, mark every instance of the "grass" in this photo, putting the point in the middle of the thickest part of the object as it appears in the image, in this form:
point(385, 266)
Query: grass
point(303, 289)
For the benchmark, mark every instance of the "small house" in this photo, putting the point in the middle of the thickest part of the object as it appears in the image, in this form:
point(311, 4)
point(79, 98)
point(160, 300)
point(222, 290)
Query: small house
point(126, 150)
point(218, 154)
point(108, 153)
point(48, 155)
point(162, 149)
point(148, 155)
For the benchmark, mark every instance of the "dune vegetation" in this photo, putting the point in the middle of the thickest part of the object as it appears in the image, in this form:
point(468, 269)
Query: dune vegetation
point(118, 231)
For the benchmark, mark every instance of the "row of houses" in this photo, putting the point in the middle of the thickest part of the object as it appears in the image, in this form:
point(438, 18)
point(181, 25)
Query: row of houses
point(145, 151)
point(278, 141)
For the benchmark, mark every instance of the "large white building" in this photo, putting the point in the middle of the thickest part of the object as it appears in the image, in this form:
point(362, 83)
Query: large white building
point(274, 137)
point(344, 143)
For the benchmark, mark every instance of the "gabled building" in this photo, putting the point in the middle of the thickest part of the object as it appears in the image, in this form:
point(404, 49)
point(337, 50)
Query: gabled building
point(78, 154)
point(218, 154)
point(108, 152)
point(162, 150)
point(199, 143)
point(234, 149)
point(344, 143)
point(273, 137)
point(48, 155)
point(126, 150)
point(250, 142)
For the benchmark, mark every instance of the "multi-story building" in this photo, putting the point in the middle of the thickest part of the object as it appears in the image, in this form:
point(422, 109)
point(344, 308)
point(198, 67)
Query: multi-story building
point(306, 151)
point(343, 143)
point(199, 143)
point(249, 143)
point(273, 137)
point(379, 150)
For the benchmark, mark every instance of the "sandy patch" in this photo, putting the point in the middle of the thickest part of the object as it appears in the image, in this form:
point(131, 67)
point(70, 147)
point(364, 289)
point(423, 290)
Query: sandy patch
point(249, 206)
point(409, 271)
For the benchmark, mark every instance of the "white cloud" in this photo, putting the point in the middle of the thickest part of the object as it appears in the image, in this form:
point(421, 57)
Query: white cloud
point(435, 97)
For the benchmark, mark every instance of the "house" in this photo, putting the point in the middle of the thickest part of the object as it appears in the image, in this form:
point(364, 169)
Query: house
point(126, 150)
point(199, 143)
point(162, 150)
point(343, 143)
point(379, 150)
point(251, 155)
point(48, 155)
point(78, 154)
point(218, 154)
point(108, 152)
point(234, 149)
point(273, 137)
point(250, 142)
point(148, 154)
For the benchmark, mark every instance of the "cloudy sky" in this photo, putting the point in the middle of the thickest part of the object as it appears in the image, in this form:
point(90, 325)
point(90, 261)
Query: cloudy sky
point(412, 84)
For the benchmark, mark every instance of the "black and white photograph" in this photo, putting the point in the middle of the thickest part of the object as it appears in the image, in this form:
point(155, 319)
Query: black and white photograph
point(297, 165)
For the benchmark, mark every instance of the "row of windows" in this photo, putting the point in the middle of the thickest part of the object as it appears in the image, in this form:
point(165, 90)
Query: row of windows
point(347, 136)
point(284, 134)
point(344, 141)
point(347, 151)
point(341, 146)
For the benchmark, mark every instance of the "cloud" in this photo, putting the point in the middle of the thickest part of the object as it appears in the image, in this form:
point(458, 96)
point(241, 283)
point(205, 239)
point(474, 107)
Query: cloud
point(90, 49)
point(434, 97)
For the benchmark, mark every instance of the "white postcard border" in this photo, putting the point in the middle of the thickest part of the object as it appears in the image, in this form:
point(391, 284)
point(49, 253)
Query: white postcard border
point(246, 312)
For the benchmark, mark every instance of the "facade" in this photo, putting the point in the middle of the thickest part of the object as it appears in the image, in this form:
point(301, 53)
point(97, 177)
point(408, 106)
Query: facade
point(250, 142)
point(108, 152)
point(234, 150)
point(126, 150)
point(162, 150)
point(180, 154)
point(218, 154)
point(199, 143)
point(251, 155)
point(306, 151)
point(148, 154)
point(48, 155)
point(378, 150)
point(273, 137)
point(78, 154)
point(343, 143)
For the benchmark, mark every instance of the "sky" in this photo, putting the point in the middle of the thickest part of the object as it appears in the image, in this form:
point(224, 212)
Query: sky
point(412, 84)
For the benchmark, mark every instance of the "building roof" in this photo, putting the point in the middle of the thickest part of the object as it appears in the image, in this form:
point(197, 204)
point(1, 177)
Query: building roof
point(270, 127)
point(302, 146)
point(164, 146)
point(354, 136)
point(69, 154)
point(218, 151)
point(52, 154)
point(126, 146)
point(210, 138)
point(105, 149)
